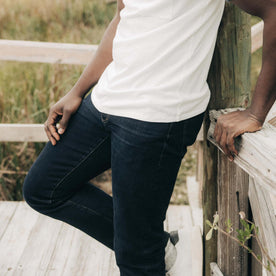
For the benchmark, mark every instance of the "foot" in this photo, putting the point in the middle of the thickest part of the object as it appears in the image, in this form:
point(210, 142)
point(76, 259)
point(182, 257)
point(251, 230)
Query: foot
point(178, 260)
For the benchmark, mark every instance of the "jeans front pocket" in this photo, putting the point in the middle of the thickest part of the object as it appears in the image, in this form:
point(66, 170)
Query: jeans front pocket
point(191, 128)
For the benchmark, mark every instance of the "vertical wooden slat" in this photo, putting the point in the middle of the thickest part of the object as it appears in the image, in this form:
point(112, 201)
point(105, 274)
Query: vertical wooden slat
point(199, 169)
point(229, 82)
point(255, 268)
point(232, 198)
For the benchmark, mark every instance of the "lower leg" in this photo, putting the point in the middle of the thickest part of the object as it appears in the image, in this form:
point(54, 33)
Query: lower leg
point(89, 210)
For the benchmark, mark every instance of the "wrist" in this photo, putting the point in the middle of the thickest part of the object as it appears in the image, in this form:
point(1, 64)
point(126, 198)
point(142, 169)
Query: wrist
point(260, 117)
point(77, 93)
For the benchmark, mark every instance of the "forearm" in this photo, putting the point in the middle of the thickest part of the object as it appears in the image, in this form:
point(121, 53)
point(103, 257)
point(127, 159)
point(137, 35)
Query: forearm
point(265, 91)
point(99, 62)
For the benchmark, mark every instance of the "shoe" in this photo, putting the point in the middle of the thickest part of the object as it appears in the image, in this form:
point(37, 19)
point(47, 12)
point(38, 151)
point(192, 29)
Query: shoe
point(180, 240)
point(188, 245)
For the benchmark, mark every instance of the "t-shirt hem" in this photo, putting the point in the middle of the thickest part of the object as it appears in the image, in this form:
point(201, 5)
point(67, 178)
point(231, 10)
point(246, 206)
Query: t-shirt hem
point(145, 117)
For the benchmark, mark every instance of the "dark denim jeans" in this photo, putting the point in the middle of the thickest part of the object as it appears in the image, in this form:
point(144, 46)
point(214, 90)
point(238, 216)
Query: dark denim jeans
point(145, 158)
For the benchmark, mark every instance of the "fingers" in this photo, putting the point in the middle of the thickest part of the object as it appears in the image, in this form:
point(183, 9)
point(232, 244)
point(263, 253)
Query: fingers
point(231, 144)
point(231, 125)
point(51, 124)
point(223, 144)
point(64, 121)
point(225, 139)
point(50, 127)
point(48, 133)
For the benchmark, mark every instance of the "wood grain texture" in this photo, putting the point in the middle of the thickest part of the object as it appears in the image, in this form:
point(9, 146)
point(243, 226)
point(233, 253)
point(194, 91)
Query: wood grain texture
point(257, 151)
point(22, 133)
point(33, 244)
point(17, 233)
point(232, 198)
point(229, 82)
point(264, 217)
point(47, 52)
point(257, 36)
point(193, 188)
point(255, 267)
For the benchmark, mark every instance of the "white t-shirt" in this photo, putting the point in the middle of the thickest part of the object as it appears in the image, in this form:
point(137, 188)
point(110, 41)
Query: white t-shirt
point(162, 52)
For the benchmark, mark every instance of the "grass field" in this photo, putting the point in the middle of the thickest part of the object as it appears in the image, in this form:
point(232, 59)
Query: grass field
point(27, 90)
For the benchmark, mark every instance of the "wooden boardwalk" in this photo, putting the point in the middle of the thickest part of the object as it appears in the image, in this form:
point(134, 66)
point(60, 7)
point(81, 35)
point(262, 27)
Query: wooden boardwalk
point(33, 244)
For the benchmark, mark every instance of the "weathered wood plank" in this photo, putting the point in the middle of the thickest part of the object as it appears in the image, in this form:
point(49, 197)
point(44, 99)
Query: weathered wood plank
point(257, 36)
point(273, 202)
point(15, 238)
point(7, 211)
point(48, 52)
point(44, 233)
point(194, 192)
point(197, 251)
point(32, 133)
point(255, 268)
point(199, 167)
point(257, 151)
point(232, 198)
point(35, 244)
point(22, 133)
point(264, 216)
point(200, 134)
point(215, 270)
point(58, 259)
point(229, 82)
point(179, 217)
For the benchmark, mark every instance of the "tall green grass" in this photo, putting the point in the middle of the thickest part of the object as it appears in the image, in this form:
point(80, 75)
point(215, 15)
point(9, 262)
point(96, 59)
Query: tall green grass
point(76, 21)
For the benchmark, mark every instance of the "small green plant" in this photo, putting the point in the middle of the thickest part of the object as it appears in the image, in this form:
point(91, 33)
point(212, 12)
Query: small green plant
point(247, 232)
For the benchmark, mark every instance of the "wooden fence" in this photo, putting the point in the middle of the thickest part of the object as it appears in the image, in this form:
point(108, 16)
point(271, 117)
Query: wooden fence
point(225, 186)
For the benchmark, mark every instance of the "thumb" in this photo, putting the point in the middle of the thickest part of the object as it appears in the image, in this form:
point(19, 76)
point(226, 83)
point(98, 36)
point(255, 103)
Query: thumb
point(64, 121)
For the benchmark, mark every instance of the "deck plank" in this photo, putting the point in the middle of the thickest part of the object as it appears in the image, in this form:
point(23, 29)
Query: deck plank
point(7, 210)
point(44, 235)
point(35, 244)
point(178, 217)
point(15, 238)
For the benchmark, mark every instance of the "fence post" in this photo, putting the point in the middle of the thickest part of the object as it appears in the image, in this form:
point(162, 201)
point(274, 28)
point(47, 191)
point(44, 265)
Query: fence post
point(229, 82)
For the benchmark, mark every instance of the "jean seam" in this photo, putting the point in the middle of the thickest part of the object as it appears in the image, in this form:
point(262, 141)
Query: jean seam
point(165, 144)
point(78, 165)
point(90, 210)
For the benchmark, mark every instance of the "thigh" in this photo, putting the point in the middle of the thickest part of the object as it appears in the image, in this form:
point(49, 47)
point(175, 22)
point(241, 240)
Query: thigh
point(82, 153)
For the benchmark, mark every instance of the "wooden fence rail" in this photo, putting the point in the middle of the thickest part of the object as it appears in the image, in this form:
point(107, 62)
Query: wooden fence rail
point(257, 151)
point(67, 53)
point(46, 52)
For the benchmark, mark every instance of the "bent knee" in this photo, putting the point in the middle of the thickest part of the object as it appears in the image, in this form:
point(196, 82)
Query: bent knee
point(34, 194)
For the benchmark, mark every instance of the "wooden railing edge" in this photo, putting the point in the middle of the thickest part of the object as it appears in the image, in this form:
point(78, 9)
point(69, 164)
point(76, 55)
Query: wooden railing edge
point(256, 150)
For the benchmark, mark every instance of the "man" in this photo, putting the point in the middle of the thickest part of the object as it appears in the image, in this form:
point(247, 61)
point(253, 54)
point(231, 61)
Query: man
point(147, 107)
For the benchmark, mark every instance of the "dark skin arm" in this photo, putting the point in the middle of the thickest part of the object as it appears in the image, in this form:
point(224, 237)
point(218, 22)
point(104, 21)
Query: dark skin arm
point(62, 111)
point(236, 123)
